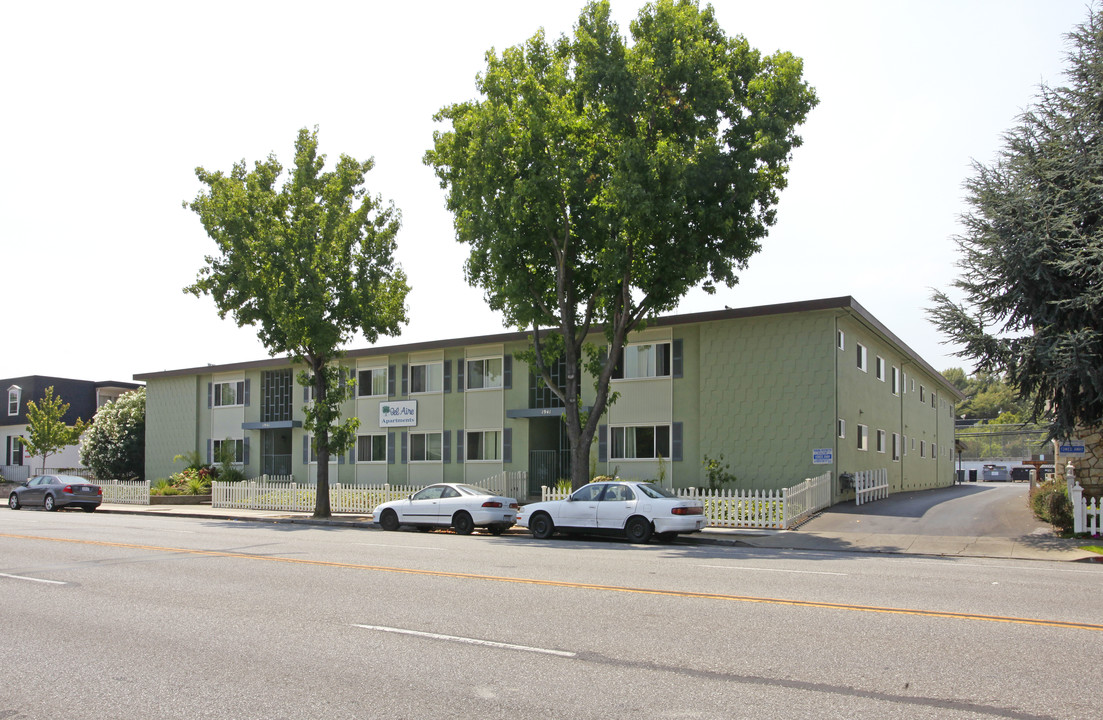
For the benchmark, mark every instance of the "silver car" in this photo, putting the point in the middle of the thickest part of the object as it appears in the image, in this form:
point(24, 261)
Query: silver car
point(57, 491)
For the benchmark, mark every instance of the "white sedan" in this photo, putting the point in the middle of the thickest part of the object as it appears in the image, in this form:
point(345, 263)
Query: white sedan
point(636, 510)
point(461, 507)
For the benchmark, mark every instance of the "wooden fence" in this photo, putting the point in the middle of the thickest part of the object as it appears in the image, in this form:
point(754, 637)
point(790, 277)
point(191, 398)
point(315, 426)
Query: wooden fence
point(125, 492)
point(870, 485)
point(778, 509)
point(1085, 512)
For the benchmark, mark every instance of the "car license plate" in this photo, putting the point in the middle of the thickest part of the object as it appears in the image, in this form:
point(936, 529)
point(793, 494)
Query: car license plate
point(510, 517)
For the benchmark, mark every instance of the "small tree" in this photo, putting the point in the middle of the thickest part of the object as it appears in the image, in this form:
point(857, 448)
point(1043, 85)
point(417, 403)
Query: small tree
point(47, 432)
point(309, 265)
point(115, 445)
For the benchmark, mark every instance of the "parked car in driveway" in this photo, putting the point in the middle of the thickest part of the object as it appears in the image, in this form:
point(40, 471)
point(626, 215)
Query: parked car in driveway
point(459, 506)
point(636, 510)
point(995, 473)
point(57, 491)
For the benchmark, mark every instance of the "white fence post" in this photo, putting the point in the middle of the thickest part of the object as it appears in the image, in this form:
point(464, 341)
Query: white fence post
point(1077, 498)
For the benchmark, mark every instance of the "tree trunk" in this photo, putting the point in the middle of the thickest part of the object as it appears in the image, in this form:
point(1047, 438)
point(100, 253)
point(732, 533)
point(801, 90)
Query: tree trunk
point(321, 445)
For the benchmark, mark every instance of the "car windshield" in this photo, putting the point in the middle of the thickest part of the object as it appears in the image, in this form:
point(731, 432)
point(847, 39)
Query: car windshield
point(655, 491)
point(473, 490)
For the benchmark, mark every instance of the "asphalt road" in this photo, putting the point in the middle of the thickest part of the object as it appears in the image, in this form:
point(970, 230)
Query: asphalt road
point(968, 509)
point(123, 616)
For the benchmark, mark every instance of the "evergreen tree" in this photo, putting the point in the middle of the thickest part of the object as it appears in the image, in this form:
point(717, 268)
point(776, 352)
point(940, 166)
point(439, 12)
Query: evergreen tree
point(1032, 250)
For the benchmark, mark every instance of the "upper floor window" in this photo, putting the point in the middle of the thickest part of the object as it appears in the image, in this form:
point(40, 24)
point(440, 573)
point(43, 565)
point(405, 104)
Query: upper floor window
point(922, 394)
point(861, 357)
point(427, 378)
point(896, 381)
point(644, 361)
point(484, 374)
point(14, 394)
point(276, 386)
point(863, 437)
point(840, 340)
point(229, 393)
point(879, 367)
point(372, 383)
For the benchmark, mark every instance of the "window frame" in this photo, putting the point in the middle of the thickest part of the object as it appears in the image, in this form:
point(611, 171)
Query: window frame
point(372, 437)
point(218, 394)
point(862, 357)
point(426, 448)
point(239, 448)
point(881, 447)
point(840, 428)
point(429, 377)
point(879, 367)
point(372, 374)
point(477, 440)
point(15, 399)
point(483, 361)
point(660, 361)
point(895, 374)
point(863, 437)
point(620, 444)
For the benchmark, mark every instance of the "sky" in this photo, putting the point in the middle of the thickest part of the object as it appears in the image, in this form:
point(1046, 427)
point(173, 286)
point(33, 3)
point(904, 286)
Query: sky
point(108, 107)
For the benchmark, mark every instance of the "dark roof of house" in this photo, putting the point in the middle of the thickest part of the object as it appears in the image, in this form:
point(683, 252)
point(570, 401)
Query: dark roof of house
point(845, 303)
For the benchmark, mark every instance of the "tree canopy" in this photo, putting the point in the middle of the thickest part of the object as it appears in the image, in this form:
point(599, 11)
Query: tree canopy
point(114, 447)
point(310, 264)
point(1031, 283)
point(596, 181)
point(47, 432)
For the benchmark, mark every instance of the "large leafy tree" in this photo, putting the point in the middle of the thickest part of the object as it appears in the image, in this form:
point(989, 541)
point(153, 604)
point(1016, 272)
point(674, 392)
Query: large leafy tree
point(114, 445)
point(47, 432)
point(310, 264)
point(1030, 292)
point(597, 181)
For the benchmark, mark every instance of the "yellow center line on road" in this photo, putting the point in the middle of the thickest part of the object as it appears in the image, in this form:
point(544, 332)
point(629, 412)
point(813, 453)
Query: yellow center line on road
point(583, 586)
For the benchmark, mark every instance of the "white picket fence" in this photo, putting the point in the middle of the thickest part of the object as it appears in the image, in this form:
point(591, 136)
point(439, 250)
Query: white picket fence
point(281, 493)
point(777, 509)
point(1085, 512)
point(870, 485)
point(125, 492)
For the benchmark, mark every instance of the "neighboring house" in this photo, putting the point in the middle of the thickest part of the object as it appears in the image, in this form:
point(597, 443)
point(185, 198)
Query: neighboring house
point(783, 392)
point(85, 398)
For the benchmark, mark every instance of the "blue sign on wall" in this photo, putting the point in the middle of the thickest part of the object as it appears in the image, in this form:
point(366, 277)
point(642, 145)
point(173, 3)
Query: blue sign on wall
point(1072, 449)
point(823, 456)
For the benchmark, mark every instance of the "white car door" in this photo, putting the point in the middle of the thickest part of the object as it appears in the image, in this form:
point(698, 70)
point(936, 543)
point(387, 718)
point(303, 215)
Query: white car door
point(617, 504)
point(580, 510)
point(423, 507)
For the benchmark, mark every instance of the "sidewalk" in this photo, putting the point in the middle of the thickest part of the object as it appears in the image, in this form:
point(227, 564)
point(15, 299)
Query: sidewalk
point(1040, 546)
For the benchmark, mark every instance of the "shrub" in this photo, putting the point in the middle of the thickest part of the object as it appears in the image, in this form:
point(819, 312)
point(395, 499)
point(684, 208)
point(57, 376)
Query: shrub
point(114, 447)
point(1050, 502)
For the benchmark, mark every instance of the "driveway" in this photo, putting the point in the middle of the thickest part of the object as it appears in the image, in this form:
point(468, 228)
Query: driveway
point(994, 510)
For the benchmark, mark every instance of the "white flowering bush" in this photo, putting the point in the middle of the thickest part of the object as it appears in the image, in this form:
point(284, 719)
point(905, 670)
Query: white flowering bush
point(114, 447)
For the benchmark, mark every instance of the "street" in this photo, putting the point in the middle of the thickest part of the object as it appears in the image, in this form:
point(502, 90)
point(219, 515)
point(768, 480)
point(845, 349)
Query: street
point(128, 616)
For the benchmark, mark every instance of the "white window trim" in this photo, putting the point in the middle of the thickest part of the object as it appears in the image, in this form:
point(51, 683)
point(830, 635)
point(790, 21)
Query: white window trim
point(410, 379)
point(896, 381)
point(653, 344)
point(879, 367)
point(410, 448)
point(896, 447)
point(863, 438)
point(841, 340)
point(15, 394)
point(467, 373)
point(881, 441)
point(840, 428)
point(216, 393)
point(359, 385)
point(238, 443)
point(655, 429)
point(360, 460)
point(862, 357)
point(500, 443)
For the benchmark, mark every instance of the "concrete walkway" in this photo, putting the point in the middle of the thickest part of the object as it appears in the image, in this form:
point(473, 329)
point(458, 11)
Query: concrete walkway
point(1037, 545)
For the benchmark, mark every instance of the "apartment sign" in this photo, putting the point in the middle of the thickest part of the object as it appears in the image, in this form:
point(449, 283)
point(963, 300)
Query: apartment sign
point(823, 456)
point(398, 413)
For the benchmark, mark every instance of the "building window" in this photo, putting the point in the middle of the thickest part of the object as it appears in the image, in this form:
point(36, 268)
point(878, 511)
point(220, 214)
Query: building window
point(895, 446)
point(14, 394)
point(427, 378)
point(425, 447)
point(371, 448)
point(842, 428)
point(861, 356)
point(895, 381)
point(644, 361)
point(880, 441)
point(922, 394)
point(640, 442)
point(277, 403)
point(863, 437)
point(372, 383)
point(484, 445)
point(934, 450)
point(232, 448)
point(934, 399)
point(921, 449)
point(227, 394)
point(484, 374)
point(879, 367)
point(841, 340)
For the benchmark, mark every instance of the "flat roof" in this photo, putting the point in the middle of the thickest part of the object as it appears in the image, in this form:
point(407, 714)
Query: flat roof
point(844, 303)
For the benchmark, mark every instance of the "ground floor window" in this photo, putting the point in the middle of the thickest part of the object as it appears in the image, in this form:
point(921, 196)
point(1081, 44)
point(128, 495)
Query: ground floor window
point(371, 448)
point(640, 442)
point(425, 447)
point(484, 445)
point(863, 437)
point(228, 450)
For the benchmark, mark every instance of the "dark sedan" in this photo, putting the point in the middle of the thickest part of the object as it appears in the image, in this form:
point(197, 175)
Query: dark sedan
point(57, 491)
